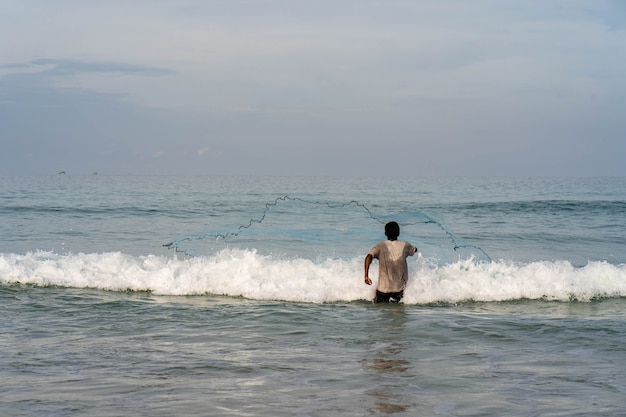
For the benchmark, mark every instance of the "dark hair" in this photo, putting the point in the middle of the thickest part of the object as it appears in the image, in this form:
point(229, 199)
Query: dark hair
point(392, 230)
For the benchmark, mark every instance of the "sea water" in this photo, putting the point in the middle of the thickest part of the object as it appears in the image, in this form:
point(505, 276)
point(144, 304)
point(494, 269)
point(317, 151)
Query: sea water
point(244, 296)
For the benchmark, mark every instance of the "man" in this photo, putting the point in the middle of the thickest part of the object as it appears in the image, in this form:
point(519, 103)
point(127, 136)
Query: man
point(393, 272)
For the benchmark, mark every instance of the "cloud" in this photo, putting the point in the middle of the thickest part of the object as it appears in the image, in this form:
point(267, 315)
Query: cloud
point(57, 67)
point(455, 87)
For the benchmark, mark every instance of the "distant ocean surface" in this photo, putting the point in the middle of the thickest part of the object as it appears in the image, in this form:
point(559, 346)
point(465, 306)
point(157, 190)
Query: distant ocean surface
point(244, 296)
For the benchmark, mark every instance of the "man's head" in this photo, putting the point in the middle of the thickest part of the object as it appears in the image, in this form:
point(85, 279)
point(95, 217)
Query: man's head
point(392, 230)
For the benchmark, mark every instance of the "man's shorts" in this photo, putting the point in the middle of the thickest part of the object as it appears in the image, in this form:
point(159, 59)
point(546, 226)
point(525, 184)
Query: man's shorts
point(388, 297)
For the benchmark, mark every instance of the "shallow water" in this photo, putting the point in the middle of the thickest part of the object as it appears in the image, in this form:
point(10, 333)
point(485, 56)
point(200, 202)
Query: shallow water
point(98, 318)
point(97, 353)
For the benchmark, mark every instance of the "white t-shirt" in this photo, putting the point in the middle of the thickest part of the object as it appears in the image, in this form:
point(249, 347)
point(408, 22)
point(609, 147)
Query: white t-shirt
point(393, 272)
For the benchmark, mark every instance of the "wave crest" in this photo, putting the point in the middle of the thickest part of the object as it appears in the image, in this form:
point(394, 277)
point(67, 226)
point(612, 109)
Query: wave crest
point(245, 273)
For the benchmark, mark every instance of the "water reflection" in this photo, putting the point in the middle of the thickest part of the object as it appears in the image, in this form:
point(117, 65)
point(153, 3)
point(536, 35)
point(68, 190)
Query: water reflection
point(386, 362)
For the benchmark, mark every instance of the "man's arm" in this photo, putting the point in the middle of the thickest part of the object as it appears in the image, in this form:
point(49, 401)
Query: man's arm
point(368, 262)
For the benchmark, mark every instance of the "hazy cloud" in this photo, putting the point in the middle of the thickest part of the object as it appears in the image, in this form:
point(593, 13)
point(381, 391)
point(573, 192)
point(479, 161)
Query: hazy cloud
point(70, 67)
point(296, 87)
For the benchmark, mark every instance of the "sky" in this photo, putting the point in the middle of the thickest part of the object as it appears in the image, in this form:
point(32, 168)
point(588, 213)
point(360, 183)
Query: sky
point(313, 87)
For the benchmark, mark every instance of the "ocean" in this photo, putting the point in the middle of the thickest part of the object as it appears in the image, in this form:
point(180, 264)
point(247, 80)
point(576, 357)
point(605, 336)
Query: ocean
point(244, 296)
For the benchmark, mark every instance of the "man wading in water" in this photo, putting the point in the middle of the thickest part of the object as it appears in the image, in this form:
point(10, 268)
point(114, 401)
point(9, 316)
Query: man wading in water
point(393, 272)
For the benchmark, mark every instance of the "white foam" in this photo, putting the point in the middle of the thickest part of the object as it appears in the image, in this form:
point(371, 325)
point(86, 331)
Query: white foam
point(503, 281)
point(248, 274)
